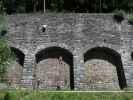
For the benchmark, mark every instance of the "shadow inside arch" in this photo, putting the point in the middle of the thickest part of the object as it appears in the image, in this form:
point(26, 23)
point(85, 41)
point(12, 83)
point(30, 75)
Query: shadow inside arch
point(57, 52)
point(19, 55)
point(110, 55)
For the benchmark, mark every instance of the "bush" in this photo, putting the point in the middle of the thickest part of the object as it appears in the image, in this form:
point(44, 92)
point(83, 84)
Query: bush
point(119, 15)
point(5, 53)
point(15, 95)
point(130, 19)
point(5, 58)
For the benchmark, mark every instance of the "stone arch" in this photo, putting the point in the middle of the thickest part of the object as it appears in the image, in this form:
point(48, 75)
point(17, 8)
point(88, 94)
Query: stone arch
point(99, 44)
point(112, 57)
point(56, 52)
point(14, 72)
point(19, 47)
point(54, 44)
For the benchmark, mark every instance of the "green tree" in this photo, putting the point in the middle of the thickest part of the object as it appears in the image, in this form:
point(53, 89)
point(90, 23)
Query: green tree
point(5, 52)
point(2, 8)
point(5, 55)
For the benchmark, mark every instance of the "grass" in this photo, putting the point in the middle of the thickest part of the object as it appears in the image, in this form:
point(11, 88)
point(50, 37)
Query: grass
point(63, 95)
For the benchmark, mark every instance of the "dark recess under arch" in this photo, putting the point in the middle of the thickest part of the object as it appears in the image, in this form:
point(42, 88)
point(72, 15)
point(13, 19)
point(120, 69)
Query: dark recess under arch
point(19, 55)
point(132, 55)
point(111, 56)
point(56, 52)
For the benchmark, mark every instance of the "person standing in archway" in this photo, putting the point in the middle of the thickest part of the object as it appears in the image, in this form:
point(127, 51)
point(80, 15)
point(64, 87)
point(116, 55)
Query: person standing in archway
point(58, 85)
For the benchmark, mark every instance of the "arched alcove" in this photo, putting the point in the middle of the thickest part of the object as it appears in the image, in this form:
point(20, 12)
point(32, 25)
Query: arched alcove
point(104, 68)
point(54, 68)
point(14, 71)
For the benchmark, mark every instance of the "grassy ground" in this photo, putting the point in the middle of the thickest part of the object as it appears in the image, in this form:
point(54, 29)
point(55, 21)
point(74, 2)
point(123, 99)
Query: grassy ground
point(41, 95)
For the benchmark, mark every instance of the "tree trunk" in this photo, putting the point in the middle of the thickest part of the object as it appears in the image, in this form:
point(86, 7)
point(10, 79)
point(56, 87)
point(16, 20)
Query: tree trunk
point(44, 6)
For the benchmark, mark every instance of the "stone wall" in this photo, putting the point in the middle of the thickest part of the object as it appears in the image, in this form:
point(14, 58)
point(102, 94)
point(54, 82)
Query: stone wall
point(76, 33)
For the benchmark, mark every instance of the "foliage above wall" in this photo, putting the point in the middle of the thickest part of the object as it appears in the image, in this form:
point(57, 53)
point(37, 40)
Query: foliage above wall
point(119, 15)
point(130, 19)
point(91, 6)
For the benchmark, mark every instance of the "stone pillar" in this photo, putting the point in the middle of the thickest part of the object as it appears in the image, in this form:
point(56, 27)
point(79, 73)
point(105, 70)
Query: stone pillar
point(126, 54)
point(78, 70)
point(28, 71)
